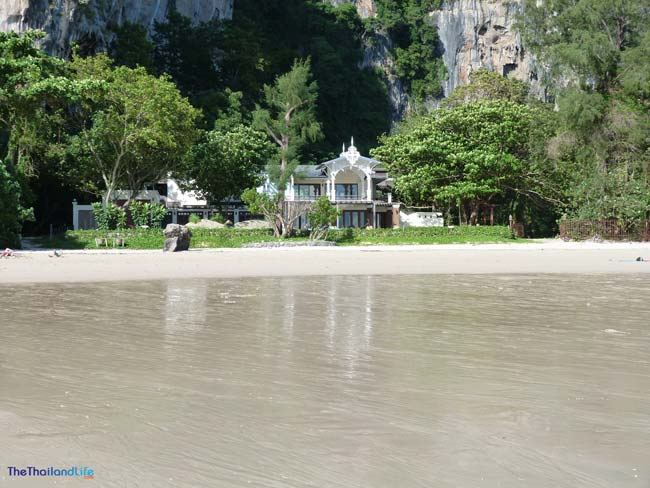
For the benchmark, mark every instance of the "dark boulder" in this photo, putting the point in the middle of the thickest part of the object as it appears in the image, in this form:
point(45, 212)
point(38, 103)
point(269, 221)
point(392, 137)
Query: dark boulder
point(177, 238)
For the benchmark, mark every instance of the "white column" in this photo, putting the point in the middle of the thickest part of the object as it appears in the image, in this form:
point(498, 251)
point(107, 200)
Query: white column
point(75, 215)
point(369, 188)
point(333, 187)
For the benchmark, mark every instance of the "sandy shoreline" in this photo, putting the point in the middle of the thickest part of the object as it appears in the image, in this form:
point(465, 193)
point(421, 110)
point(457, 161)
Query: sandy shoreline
point(528, 258)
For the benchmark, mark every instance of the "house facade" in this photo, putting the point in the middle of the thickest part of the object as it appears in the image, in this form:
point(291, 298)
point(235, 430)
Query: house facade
point(357, 185)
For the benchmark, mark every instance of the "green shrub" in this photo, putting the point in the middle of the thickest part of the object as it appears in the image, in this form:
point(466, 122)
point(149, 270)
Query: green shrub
point(140, 213)
point(194, 219)
point(110, 217)
point(234, 237)
point(217, 217)
point(422, 235)
point(158, 214)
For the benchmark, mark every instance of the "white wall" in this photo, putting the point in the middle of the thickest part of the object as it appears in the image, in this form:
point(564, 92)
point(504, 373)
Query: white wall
point(420, 219)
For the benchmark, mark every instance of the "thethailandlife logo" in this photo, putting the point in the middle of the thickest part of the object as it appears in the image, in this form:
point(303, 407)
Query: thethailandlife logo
point(83, 472)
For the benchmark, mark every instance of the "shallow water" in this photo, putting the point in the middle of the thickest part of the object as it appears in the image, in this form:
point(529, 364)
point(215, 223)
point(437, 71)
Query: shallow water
point(330, 382)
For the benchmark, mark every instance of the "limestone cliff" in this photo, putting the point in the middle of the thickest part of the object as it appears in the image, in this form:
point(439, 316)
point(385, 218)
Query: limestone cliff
point(480, 34)
point(67, 21)
point(473, 34)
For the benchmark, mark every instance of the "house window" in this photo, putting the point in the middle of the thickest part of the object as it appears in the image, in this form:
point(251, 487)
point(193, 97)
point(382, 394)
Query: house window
point(307, 192)
point(347, 191)
point(352, 219)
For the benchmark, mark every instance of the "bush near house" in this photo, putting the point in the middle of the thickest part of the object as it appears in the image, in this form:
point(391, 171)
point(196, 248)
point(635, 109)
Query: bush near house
point(234, 238)
point(422, 235)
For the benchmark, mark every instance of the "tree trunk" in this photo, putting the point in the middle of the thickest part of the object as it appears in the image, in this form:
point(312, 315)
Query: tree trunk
point(473, 217)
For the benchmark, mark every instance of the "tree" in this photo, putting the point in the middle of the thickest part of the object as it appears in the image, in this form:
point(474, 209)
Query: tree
point(35, 94)
point(135, 131)
point(596, 52)
point(290, 121)
point(461, 157)
point(488, 85)
point(132, 47)
point(321, 216)
point(10, 209)
point(279, 216)
point(417, 60)
point(226, 163)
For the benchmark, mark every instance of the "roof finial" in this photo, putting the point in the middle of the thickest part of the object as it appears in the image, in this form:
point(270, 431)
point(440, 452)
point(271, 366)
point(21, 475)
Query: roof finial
point(352, 143)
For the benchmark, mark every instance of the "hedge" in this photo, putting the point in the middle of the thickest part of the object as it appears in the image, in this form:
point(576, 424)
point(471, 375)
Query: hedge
point(422, 235)
point(233, 237)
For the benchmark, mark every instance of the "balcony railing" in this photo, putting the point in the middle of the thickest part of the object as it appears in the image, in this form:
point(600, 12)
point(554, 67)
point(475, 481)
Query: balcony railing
point(341, 198)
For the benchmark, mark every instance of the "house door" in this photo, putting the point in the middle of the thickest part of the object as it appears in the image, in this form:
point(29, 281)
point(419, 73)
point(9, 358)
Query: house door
point(352, 219)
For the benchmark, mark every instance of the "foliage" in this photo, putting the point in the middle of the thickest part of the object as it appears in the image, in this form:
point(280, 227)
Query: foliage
point(154, 239)
point(217, 217)
point(263, 204)
point(289, 118)
point(321, 216)
point(460, 157)
point(417, 58)
point(225, 163)
point(132, 47)
point(136, 130)
point(34, 96)
point(421, 235)
point(194, 219)
point(109, 217)
point(234, 238)
point(146, 214)
point(597, 55)
point(187, 53)
point(256, 47)
point(158, 214)
point(487, 85)
point(10, 210)
point(139, 213)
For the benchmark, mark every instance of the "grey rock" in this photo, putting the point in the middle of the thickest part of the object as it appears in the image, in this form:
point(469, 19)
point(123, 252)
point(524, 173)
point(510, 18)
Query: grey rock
point(206, 224)
point(253, 224)
point(177, 238)
point(481, 34)
point(69, 21)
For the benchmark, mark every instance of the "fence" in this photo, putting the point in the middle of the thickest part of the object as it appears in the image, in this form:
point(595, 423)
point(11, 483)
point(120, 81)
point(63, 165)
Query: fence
point(83, 217)
point(608, 229)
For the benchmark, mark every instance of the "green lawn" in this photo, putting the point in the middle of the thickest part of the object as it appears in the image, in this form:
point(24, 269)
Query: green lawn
point(234, 238)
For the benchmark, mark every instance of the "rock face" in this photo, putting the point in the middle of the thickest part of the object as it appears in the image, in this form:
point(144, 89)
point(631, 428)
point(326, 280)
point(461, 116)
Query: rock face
point(473, 34)
point(480, 34)
point(177, 238)
point(92, 21)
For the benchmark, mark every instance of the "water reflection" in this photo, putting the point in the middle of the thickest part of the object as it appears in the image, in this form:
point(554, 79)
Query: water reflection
point(331, 381)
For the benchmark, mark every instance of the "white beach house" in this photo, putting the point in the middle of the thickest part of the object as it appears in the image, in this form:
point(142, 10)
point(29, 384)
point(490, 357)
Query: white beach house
point(358, 186)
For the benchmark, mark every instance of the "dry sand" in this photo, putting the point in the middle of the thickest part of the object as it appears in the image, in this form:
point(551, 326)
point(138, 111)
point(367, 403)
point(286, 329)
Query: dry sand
point(550, 256)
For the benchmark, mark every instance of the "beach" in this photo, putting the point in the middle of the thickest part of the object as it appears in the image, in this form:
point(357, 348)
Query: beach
point(550, 256)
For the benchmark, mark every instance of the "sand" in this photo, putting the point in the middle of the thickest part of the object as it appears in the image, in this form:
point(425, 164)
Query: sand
point(550, 256)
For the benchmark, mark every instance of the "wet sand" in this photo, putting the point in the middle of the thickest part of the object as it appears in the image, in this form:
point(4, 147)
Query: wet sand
point(337, 382)
point(543, 257)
